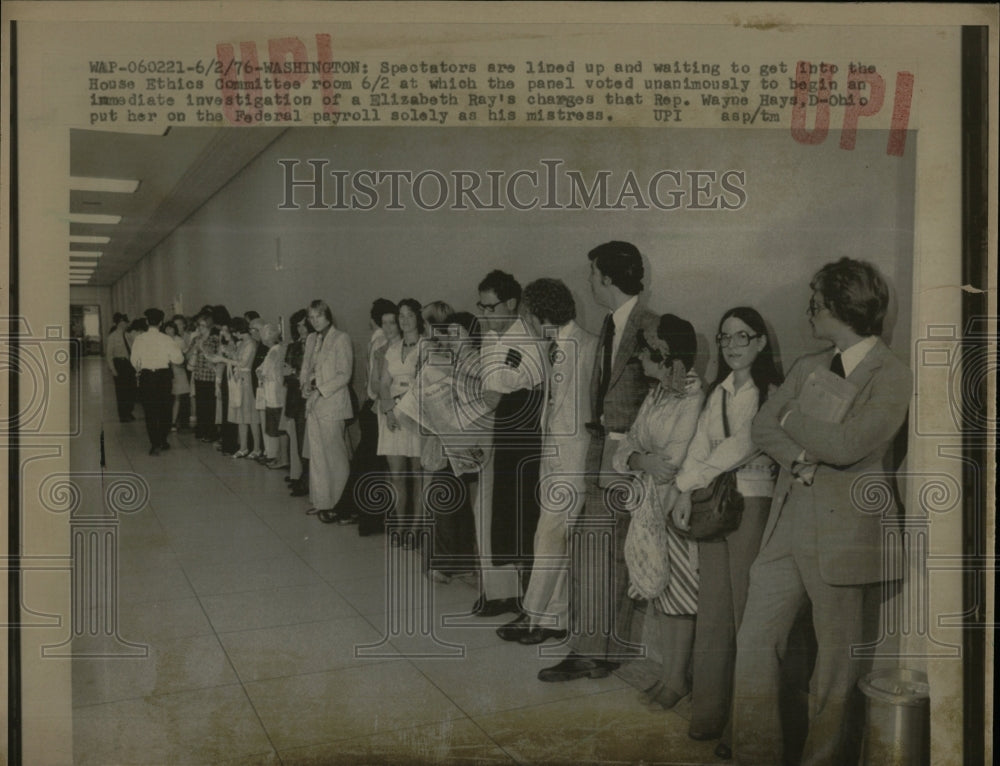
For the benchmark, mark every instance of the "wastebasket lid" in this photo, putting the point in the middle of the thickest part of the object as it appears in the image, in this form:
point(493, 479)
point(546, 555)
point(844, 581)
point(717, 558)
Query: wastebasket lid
point(898, 687)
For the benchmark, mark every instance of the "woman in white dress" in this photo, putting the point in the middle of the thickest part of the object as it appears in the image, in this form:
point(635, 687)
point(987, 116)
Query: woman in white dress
point(399, 438)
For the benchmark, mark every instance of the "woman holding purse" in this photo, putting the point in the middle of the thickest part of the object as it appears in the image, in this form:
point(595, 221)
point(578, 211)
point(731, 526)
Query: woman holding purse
point(746, 374)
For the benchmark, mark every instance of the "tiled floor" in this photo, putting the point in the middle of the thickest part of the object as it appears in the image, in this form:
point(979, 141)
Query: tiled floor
point(255, 615)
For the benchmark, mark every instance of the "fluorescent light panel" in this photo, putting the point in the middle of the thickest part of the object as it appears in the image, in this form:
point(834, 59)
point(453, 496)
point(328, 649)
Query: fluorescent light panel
point(85, 253)
point(94, 218)
point(80, 239)
point(112, 185)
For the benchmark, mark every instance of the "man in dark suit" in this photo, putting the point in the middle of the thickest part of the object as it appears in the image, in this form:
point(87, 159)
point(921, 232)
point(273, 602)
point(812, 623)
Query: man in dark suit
point(599, 579)
point(819, 546)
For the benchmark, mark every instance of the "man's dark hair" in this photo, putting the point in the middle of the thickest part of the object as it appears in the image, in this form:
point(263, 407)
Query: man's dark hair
point(251, 315)
point(855, 293)
point(239, 325)
point(153, 316)
point(138, 325)
point(502, 284)
point(381, 307)
point(622, 262)
point(551, 301)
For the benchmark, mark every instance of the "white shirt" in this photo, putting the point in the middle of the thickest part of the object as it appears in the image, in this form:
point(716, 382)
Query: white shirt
point(155, 351)
point(852, 357)
point(620, 316)
point(711, 453)
point(512, 361)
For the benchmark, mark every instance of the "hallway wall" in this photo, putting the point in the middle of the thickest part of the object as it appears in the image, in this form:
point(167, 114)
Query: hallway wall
point(804, 207)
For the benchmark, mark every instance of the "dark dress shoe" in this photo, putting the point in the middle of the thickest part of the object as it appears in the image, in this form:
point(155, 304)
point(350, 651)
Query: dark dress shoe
point(327, 515)
point(537, 635)
point(494, 607)
point(724, 751)
point(514, 629)
point(574, 667)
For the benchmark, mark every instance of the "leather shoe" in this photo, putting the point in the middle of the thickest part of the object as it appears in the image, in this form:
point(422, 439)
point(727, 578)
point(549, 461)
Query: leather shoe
point(514, 629)
point(724, 751)
point(496, 606)
point(537, 635)
point(574, 667)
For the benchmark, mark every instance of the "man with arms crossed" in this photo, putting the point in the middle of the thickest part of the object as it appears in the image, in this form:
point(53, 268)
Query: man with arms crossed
point(818, 545)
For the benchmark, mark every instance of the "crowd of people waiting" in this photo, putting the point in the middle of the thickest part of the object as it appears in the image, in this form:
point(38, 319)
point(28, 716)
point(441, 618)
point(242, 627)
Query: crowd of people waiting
point(564, 467)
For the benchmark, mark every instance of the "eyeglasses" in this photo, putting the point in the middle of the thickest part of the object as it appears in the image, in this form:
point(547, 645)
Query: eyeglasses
point(814, 308)
point(737, 339)
point(488, 308)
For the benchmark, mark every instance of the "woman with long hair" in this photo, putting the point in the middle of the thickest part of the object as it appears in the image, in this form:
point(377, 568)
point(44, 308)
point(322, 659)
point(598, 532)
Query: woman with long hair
point(399, 440)
point(747, 373)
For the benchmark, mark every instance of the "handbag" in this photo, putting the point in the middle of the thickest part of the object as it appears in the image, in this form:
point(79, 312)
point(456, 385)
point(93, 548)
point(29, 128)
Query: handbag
point(717, 509)
point(646, 550)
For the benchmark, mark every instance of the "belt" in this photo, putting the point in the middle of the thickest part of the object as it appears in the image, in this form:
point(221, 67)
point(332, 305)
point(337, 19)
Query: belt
point(158, 369)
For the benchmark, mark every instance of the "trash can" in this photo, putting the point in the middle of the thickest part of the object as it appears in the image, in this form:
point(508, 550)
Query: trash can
point(897, 720)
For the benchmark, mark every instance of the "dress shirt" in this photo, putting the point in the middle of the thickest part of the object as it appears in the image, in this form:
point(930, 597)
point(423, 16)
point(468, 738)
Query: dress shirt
point(116, 348)
point(851, 357)
point(620, 316)
point(512, 361)
point(155, 351)
point(711, 453)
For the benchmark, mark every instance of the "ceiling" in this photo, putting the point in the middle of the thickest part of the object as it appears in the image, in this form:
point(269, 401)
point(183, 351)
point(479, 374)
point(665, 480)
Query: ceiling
point(177, 171)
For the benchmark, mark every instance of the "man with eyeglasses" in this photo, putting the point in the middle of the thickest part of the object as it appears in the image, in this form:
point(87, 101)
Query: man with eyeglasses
point(507, 509)
point(830, 427)
point(604, 626)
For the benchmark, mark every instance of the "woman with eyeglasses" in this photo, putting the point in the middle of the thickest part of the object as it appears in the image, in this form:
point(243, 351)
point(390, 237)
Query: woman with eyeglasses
point(746, 375)
point(399, 439)
point(653, 450)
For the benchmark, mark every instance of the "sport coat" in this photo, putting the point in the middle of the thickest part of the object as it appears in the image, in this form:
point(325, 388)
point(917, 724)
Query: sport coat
point(849, 514)
point(332, 363)
point(628, 385)
point(566, 439)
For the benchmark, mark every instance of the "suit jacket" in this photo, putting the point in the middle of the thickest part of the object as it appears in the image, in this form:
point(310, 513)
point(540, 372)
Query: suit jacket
point(332, 362)
point(568, 410)
point(849, 533)
point(628, 385)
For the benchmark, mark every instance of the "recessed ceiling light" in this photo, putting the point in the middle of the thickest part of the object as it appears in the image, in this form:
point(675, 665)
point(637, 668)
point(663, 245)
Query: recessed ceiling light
point(79, 239)
point(113, 185)
point(94, 218)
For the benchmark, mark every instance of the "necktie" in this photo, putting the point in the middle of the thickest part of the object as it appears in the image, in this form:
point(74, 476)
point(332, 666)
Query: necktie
point(607, 341)
point(837, 366)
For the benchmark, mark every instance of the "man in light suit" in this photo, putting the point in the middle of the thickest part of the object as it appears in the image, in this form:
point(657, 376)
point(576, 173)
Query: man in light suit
point(599, 578)
point(818, 545)
point(328, 407)
point(550, 314)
